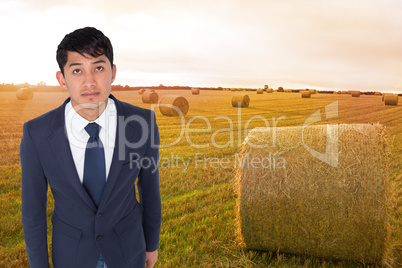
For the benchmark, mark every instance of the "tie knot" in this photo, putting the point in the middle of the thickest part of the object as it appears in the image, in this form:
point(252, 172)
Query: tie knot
point(93, 129)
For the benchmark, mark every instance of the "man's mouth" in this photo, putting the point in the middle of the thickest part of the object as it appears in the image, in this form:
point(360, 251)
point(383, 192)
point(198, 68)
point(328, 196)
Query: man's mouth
point(90, 94)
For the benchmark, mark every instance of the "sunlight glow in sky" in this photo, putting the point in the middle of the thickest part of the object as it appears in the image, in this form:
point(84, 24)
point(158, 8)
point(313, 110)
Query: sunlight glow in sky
point(322, 44)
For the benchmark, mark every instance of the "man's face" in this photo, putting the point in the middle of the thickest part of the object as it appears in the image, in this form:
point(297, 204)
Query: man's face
point(88, 80)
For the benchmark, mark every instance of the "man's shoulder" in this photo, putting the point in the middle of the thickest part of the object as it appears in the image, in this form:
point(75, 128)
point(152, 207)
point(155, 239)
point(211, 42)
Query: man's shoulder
point(43, 121)
point(127, 110)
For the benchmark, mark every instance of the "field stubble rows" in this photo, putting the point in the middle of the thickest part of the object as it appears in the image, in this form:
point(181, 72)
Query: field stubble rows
point(198, 200)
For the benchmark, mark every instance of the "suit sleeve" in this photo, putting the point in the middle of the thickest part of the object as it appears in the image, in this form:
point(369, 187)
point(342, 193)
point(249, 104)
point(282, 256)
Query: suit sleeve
point(34, 198)
point(148, 189)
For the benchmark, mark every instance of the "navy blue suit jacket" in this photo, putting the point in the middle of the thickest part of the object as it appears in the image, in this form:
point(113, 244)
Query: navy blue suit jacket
point(121, 228)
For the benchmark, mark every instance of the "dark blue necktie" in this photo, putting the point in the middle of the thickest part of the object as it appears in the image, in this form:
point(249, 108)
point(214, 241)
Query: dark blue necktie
point(94, 165)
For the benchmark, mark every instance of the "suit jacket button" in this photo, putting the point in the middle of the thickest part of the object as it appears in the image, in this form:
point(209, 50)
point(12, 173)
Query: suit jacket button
point(99, 238)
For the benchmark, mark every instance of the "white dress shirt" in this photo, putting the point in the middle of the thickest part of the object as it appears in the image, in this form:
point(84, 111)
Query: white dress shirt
point(78, 136)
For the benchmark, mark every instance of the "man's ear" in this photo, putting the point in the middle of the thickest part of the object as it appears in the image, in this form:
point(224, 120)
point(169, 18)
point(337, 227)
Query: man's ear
point(114, 69)
point(61, 80)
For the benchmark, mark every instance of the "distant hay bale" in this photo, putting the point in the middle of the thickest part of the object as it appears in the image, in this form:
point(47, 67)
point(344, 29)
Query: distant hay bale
point(232, 89)
point(306, 94)
point(239, 89)
point(313, 91)
point(332, 205)
point(260, 91)
point(141, 91)
point(24, 94)
point(195, 91)
point(287, 90)
point(266, 87)
point(240, 100)
point(391, 99)
point(385, 94)
point(355, 93)
point(269, 90)
point(150, 97)
point(377, 93)
point(344, 92)
point(173, 105)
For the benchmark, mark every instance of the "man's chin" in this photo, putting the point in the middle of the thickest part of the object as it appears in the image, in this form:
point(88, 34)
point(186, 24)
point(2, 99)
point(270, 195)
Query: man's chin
point(88, 106)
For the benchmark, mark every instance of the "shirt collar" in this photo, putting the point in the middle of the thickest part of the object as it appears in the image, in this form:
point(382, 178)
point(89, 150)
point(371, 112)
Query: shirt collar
point(78, 123)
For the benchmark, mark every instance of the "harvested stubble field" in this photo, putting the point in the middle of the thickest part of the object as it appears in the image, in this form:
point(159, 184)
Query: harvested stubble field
point(197, 171)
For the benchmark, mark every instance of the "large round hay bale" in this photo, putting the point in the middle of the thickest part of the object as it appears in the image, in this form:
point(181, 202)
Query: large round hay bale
point(195, 91)
point(141, 91)
point(355, 93)
point(335, 204)
point(260, 91)
point(313, 91)
point(269, 90)
point(306, 94)
point(391, 99)
point(149, 97)
point(173, 105)
point(24, 94)
point(240, 100)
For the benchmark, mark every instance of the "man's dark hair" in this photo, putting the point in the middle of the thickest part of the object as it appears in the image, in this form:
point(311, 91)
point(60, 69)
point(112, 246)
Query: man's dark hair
point(88, 41)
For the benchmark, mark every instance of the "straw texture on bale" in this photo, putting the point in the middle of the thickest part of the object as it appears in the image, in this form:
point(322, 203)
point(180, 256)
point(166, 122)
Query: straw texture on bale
point(195, 91)
point(141, 91)
point(173, 105)
point(306, 94)
point(150, 97)
point(260, 91)
point(355, 93)
point(240, 100)
point(291, 201)
point(24, 94)
point(391, 99)
point(385, 94)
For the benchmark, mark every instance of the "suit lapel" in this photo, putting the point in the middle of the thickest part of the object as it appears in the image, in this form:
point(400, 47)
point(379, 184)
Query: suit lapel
point(61, 148)
point(116, 162)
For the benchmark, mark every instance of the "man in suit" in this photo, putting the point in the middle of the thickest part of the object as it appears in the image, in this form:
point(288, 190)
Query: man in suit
point(90, 151)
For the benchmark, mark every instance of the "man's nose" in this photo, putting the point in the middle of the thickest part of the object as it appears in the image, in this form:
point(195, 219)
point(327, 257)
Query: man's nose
point(89, 80)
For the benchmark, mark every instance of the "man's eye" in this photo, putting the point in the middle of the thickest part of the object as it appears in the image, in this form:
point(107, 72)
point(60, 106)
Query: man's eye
point(99, 68)
point(76, 71)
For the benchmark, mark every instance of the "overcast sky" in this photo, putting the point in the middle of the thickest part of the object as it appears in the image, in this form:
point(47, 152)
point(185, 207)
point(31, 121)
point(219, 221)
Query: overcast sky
point(322, 44)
